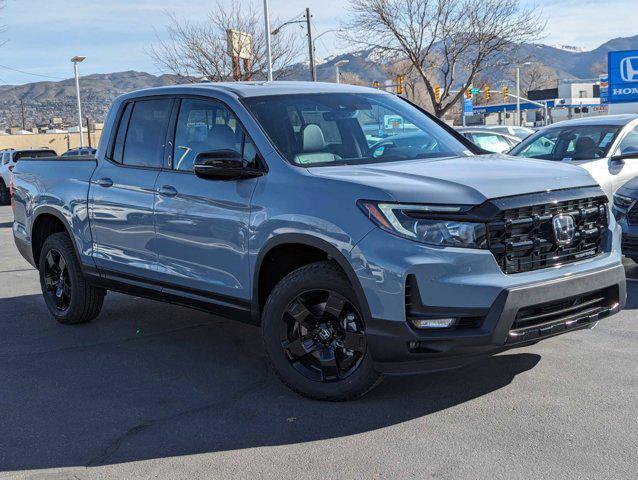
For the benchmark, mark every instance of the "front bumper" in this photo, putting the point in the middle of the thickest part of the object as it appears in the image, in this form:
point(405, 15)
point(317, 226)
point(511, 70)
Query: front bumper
point(392, 343)
point(469, 283)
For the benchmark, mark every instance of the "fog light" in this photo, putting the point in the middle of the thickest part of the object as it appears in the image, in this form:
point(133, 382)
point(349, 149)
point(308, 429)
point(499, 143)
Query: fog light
point(423, 323)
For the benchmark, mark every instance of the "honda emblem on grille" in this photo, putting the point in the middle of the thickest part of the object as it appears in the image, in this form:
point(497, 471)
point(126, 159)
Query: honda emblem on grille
point(564, 229)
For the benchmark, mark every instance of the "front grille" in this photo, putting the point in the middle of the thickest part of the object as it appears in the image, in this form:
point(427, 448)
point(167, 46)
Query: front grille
point(522, 238)
point(632, 215)
point(564, 310)
point(551, 318)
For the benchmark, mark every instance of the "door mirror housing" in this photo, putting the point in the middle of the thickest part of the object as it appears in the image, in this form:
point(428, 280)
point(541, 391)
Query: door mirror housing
point(223, 165)
point(626, 154)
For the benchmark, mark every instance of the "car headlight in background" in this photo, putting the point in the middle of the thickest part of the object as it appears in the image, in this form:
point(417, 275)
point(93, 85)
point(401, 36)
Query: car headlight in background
point(622, 202)
point(411, 221)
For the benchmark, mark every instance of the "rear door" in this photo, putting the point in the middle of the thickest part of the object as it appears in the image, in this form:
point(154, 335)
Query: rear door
point(203, 224)
point(123, 189)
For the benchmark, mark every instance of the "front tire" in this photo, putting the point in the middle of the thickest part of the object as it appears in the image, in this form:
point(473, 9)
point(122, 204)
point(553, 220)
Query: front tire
point(67, 294)
point(314, 335)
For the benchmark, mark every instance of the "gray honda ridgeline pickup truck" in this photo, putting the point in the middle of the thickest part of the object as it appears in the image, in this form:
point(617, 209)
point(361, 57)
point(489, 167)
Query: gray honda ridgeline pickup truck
point(362, 234)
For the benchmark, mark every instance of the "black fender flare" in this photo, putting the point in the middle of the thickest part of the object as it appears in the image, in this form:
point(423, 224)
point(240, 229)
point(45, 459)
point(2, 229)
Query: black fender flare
point(48, 210)
point(304, 239)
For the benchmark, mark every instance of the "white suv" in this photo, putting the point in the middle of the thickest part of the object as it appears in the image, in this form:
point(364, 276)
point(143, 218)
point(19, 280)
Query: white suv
point(8, 161)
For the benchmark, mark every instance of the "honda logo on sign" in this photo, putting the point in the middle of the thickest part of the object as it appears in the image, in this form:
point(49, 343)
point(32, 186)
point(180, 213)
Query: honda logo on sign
point(629, 69)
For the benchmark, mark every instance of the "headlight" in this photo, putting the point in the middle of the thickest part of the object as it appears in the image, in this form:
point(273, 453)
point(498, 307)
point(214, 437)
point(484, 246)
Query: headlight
point(418, 223)
point(622, 202)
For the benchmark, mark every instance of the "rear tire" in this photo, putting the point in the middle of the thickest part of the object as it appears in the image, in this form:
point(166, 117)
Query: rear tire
point(5, 197)
point(314, 335)
point(67, 294)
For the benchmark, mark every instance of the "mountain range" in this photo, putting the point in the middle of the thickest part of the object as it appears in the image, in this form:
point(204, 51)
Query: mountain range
point(41, 101)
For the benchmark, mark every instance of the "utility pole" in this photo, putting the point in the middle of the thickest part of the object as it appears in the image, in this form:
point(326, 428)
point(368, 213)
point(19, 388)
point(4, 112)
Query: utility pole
point(268, 45)
point(24, 122)
point(88, 131)
point(311, 50)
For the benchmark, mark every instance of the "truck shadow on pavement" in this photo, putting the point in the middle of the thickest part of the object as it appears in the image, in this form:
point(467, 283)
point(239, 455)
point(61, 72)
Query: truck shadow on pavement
point(149, 380)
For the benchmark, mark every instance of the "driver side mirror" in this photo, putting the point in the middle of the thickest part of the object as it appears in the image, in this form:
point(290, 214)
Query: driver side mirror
point(223, 165)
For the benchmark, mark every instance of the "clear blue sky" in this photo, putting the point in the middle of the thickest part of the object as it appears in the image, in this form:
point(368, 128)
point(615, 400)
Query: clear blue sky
point(42, 35)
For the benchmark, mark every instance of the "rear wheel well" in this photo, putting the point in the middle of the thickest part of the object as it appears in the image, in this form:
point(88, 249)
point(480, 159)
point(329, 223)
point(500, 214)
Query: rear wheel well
point(282, 260)
point(44, 226)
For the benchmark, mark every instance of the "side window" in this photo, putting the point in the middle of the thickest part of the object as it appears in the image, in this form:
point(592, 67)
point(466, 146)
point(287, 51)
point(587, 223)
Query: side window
point(143, 146)
point(118, 145)
point(250, 155)
point(204, 126)
point(629, 144)
point(5, 158)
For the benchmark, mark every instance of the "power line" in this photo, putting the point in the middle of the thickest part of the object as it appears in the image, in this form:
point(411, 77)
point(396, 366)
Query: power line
point(30, 73)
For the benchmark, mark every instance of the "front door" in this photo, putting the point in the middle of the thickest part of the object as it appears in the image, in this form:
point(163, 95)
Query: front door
point(122, 191)
point(203, 225)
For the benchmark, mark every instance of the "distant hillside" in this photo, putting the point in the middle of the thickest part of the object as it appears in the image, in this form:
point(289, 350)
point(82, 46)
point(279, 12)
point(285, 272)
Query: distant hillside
point(45, 100)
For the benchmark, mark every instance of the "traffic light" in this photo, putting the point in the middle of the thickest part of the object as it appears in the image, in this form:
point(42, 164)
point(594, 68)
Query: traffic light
point(468, 93)
point(375, 84)
point(399, 84)
point(487, 92)
point(437, 92)
point(505, 92)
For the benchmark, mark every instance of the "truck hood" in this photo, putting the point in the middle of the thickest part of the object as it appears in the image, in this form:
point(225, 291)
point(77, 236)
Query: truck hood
point(460, 180)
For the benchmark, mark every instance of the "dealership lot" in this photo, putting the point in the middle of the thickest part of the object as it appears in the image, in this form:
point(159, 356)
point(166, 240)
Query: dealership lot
point(150, 389)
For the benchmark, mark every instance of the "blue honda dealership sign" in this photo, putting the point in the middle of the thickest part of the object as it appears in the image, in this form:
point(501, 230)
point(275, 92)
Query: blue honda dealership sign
point(623, 76)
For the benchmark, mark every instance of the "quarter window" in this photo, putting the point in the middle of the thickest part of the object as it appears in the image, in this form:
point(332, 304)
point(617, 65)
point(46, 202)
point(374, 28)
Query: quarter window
point(146, 131)
point(118, 146)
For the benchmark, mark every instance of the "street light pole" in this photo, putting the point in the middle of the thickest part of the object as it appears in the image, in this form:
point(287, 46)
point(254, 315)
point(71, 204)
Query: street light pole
point(78, 59)
point(268, 45)
point(337, 65)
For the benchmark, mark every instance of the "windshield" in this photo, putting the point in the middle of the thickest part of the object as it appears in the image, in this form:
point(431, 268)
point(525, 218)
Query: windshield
point(587, 142)
point(345, 128)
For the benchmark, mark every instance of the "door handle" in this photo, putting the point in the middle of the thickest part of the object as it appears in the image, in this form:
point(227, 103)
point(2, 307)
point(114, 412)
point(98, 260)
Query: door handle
point(104, 182)
point(167, 191)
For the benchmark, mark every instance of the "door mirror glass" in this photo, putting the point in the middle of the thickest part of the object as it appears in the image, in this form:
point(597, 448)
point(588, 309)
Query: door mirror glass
point(220, 165)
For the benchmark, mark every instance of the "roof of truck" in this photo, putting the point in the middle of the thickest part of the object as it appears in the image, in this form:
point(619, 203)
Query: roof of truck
point(260, 89)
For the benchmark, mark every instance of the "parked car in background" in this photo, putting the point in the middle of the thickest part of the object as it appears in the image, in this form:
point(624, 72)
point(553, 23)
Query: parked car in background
point(626, 212)
point(75, 152)
point(605, 146)
point(264, 202)
point(8, 161)
point(519, 132)
point(489, 140)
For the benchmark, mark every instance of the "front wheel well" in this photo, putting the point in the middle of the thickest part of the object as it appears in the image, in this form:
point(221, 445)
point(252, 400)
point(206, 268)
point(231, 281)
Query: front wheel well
point(282, 260)
point(44, 226)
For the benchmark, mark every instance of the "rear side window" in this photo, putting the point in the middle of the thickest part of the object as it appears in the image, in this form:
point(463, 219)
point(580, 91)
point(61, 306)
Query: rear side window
point(143, 146)
point(33, 154)
point(6, 156)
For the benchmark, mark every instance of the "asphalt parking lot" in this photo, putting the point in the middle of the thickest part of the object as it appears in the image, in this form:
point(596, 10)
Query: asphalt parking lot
point(150, 390)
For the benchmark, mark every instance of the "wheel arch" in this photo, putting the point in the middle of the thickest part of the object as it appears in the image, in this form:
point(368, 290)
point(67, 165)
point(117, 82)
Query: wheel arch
point(46, 222)
point(296, 240)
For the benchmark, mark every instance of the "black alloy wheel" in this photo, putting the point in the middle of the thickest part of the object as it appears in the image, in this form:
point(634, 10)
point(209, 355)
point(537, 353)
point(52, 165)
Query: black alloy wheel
point(322, 335)
point(57, 280)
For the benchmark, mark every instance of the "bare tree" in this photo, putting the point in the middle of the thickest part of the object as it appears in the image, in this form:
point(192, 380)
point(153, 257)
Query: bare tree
point(351, 78)
point(537, 76)
point(196, 50)
point(446, 42)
